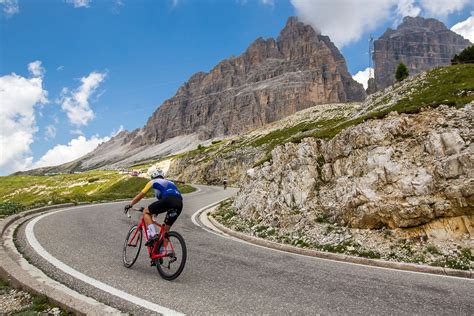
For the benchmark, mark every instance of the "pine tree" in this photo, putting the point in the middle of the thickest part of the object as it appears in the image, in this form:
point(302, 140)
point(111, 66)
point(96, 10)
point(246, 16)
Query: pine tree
point(464, 57)
point(401, 73)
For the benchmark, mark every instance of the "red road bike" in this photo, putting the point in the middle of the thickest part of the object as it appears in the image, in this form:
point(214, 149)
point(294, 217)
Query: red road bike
point(168, 253)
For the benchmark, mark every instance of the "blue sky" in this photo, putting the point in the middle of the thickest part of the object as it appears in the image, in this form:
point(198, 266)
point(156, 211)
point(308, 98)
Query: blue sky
point(113, 62)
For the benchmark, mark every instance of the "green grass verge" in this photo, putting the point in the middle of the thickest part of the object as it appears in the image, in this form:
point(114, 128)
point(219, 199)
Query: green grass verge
point(24, 192)
point(281, 136)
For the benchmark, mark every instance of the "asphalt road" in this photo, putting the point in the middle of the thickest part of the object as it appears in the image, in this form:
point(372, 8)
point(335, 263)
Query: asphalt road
point(226, 276)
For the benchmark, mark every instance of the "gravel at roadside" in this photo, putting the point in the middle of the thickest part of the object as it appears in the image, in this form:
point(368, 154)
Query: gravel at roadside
point(382, 244)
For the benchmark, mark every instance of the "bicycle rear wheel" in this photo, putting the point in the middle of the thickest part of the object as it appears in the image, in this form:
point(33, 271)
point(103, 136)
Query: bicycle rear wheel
point(132, 246)
point(172, 264)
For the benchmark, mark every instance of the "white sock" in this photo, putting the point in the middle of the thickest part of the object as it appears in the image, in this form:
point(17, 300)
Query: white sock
point(151, 230)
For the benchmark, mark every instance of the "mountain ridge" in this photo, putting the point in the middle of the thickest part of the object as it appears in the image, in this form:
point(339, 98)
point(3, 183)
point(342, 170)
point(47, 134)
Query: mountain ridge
point(420, 43)
point(245, 83)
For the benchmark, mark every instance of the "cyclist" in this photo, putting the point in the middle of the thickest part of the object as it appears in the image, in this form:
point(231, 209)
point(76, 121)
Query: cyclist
point(169, 201)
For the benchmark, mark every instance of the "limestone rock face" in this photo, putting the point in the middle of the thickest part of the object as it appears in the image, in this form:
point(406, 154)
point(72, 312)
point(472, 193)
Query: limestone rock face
point(270, 80)
point(397, 172)
point(421, 44)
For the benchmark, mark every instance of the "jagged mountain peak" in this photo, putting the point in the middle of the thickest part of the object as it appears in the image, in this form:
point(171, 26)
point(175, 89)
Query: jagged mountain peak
point(409, 22)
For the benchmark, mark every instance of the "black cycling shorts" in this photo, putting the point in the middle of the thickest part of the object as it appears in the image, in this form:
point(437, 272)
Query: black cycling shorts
point(172, 205)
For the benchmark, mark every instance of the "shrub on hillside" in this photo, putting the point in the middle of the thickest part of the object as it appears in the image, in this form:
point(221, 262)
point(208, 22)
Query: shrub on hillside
point(464, 57)
point(401, 73)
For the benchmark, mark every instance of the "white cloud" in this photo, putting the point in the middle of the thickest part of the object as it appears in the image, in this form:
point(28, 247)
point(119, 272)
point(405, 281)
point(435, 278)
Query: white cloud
point(36, 69)
point(76, 131)
point(76, 104)
point(408, 8)
point(80, 3)
point(10, 7)
point(60, 67)
point(363, 76)
point(268, 2)
point(18, 97)
point(76, 148)
point(346, 21)
point(442, 8)
point(116, 132)
point(50, 132)
point(465, 28)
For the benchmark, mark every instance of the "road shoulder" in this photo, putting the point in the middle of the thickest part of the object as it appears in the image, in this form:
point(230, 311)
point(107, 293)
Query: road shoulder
point(212, 224)
point(15, 269)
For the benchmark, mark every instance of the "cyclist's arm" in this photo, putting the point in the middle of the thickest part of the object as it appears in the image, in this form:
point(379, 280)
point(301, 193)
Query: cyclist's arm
point(142, 193)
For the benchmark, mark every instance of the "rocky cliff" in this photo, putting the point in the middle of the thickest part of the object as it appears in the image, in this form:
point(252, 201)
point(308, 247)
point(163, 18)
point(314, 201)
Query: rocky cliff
point(402, 161)
point(421, 44)
point(401, 171)
point(270, 80)
point(391, 179)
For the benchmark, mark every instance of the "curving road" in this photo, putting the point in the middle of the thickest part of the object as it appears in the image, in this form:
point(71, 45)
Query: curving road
point(223, 275)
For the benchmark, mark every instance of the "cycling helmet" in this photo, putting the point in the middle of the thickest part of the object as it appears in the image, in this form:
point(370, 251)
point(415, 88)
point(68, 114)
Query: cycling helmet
point(157, 174)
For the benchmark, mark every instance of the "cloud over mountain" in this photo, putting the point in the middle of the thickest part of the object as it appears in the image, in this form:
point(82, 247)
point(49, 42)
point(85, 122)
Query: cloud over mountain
point(76, 148)
point(465, 28)
point(347, 21)
point(19, 97)
point(76, 103)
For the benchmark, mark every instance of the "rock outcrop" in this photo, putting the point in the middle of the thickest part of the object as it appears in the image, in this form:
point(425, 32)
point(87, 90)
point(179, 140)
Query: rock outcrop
point(270, 80)
point(421, 44)
point(230, 158)
point(401, 171)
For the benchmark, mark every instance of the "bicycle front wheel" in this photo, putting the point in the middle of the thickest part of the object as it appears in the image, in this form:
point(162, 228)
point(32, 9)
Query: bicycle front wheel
point(132, 246)
point(172, 264)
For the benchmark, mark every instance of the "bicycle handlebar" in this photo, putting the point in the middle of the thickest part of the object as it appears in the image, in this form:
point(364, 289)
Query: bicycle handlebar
point(140, 209)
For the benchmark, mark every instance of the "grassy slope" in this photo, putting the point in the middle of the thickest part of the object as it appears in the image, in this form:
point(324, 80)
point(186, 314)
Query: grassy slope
point(98, 185)
point(452, 85)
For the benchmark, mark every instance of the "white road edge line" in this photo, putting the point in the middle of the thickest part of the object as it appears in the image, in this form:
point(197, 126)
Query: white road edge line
point(222, 234)
point(193, 218)
point(40, 276)
point(30, 236)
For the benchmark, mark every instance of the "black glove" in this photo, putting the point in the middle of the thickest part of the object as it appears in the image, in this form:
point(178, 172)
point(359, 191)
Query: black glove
point(127, 207)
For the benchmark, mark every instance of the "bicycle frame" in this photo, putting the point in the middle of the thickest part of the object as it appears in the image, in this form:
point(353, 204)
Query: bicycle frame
point(151, 250)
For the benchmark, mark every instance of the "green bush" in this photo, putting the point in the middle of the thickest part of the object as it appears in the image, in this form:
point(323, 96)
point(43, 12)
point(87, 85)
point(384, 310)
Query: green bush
point(464, 57)
point(401, 73)
point(9, 208)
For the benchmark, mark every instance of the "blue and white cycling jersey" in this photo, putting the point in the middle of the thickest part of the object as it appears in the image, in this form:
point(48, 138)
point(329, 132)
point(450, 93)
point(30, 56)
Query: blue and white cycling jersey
point(163, 188)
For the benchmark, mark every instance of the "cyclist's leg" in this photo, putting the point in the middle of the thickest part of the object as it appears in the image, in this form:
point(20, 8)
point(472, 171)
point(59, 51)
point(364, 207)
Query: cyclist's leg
point(175, 206)
point(147, 217)
point(156, 207)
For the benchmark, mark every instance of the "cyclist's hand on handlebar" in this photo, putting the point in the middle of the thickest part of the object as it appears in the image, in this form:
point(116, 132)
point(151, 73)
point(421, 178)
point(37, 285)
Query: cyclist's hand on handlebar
point(127, 207)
